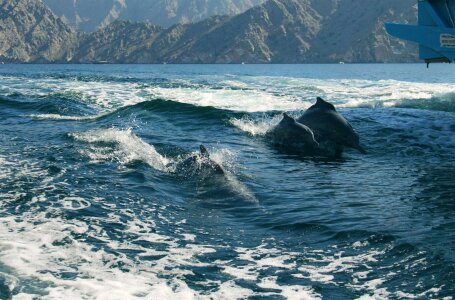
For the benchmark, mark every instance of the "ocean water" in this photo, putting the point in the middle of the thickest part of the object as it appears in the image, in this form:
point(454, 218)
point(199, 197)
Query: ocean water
point(90, 207)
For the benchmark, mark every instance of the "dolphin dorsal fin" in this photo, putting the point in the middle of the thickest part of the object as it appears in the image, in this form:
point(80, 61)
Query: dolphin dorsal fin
point(322, 104)
point(288, 118)
point(204, 151)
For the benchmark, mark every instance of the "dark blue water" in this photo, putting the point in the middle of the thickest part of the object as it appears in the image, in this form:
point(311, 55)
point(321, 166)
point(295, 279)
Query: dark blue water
point(91, 207)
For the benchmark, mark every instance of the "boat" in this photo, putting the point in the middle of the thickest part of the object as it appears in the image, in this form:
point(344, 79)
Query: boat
point(435, 31)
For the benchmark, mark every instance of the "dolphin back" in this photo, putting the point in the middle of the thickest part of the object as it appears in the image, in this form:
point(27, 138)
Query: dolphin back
point(291, 133)
point(321, 104)
point(327, 123)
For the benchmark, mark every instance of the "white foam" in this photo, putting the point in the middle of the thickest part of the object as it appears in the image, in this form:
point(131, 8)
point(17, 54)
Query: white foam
point(247, 93)
point(28, 247)
point(375, 291)
point(264, 257)
point(256, 127)
point(128, 147)
point(361, 275)
point(230, 290)
point(189, 237)
point(353, 92)
point(24, 296)
point(329, 265)
point(13, 168)
point(75, 203)
point(235, 100)
point(425, 294)
point(62, 117)
point(102, 94)
point(226, 158)
point(389, 93)
point(321, 266)
point(292, 292)
point(242, 273)
point(234, 84)
point(33, 253)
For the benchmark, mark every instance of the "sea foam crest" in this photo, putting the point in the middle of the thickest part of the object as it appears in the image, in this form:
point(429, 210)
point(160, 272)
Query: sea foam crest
point(127, 147)
point(62, 117)
point(256, 126)
point(246, 93)
point(251, 100)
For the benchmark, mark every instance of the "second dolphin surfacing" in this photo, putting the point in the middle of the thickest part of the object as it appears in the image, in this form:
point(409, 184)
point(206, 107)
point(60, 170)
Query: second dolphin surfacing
point(199, 164)
point(211, 179)
point(293, 136)
point(329, 125)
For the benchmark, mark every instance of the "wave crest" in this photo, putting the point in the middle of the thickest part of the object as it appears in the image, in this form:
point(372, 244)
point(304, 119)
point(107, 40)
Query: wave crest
point(126, 147)
point(258, 126)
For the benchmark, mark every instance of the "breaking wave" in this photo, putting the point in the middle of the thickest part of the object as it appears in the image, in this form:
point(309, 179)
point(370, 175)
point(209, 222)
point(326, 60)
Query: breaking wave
point(246, 94)
point(127, 147)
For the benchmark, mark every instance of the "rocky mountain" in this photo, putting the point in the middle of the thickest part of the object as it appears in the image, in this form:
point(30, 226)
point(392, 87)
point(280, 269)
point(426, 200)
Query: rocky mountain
point(30, 32)
point(278, 31)
point(89, 15)
point(353, 31)
point(119, 42)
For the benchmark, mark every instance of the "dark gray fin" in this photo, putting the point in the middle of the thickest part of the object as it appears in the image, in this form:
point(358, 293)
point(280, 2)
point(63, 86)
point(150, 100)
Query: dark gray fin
point(322, 104)
point(287, 118)
point(204, 151)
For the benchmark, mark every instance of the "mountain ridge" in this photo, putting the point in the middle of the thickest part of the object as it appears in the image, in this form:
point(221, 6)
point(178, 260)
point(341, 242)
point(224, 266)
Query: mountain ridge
point(89, 15)
point(37, 37)
point(277, 31)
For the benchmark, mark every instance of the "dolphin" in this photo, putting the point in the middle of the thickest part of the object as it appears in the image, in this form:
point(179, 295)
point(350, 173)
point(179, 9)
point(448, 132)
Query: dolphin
point(211, 176)
point(328, 124)
point(199, 164)
point(291, 133)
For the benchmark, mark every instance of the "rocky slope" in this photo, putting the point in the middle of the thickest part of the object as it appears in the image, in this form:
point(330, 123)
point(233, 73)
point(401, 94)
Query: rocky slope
point(119, 42)
point(30, 32)
point(278, 31)
point(89, 15)
point(353, 31)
